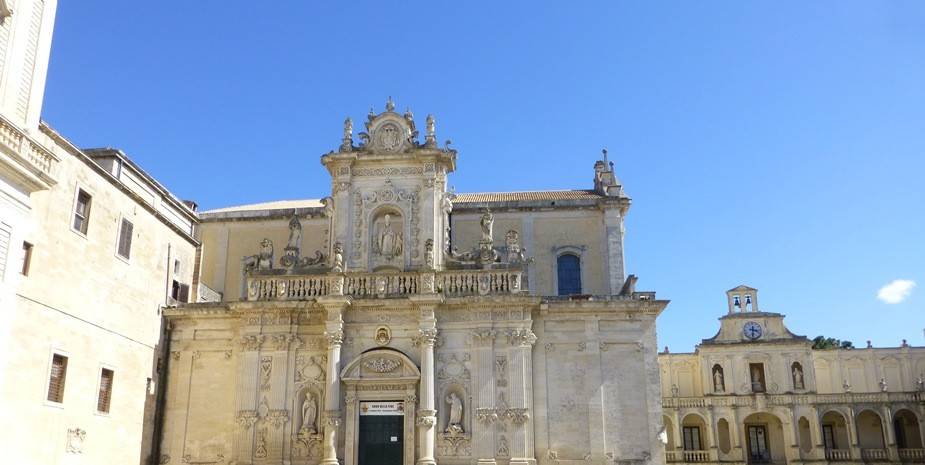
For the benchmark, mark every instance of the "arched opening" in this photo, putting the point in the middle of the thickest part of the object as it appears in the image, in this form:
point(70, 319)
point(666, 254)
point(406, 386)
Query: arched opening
point(671, 442)
point(693, 438)
point(722, 430)
point(806, 443)
point(719, 379)
point(906, 427)
point(870, 435)
point(568, 274)
point(764, 438)
point(835, 436)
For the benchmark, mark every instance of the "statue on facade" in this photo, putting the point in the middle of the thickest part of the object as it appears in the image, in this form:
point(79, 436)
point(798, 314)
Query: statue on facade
point(347, 142)
point(454, 423)
point(389, 242)
point(429, 254)
point(797, 377)
point(295, 234)
point(515, 254)
point(328, 204)
point(263, 260)
point(430, 136)
point(337, 263)
point(883, 385)
point(920, 383)
point(719, 384)
point(487, 224)
point(309, 413)
point(446, 202)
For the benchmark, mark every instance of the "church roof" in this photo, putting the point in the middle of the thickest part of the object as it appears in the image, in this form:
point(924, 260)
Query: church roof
point(275, 205)
point(527, 196)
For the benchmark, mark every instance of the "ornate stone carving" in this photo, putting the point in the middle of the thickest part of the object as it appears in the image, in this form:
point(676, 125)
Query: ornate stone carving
point(486, 416)
point(484, 336)
point(75, 441)
point(503, 450)
point(175, 354)
point(263, 260)
point(252, 341)
point(285, 341)
point(334, 337)
point(260, 448)
point(246, 418)
point(383, 335)
point(427, 418)
point(346, 144)
point(521, 337)
point(337, 262)
point(430, 134)
point(454, 368)
point(425, 336)
point(517, 416)
point(456, 444)
point(501, 371)
point(382, 365)
point(389, 243)
point(278, 418)
point(266, 368)
point(429, 254)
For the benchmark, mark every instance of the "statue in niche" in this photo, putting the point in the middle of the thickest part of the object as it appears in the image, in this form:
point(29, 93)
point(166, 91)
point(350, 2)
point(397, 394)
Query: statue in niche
point(487, 224)
point(797, 377)
point(295, 234)
point(719, 384)
point(309, 413)
point(454, 424)
point(389, 241)
point(263, 260)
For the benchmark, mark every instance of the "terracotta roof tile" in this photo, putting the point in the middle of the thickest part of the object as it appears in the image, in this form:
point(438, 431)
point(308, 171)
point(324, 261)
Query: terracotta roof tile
point(527, 196)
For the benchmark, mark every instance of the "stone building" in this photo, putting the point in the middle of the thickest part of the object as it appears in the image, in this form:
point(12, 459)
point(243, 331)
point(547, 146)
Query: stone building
point(758, 393)
point(395, 322)
point(91, 250)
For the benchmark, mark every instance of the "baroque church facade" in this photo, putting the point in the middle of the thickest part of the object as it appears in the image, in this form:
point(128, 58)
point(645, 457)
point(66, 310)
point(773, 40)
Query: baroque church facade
point(396, 322)
point(757, 393)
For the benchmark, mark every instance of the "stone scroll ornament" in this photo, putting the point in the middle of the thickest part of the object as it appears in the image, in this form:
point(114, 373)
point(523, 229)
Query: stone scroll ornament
point(292, 253)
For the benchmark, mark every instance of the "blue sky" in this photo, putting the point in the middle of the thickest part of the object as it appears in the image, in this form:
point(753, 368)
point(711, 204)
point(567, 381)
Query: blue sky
point(778, 144)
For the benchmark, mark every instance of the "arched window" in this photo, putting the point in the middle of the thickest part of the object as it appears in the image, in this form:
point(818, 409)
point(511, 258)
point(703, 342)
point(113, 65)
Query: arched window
point(568, 269)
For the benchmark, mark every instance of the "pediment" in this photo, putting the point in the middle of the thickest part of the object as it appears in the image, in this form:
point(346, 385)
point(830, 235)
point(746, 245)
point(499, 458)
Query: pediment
point(380, 364)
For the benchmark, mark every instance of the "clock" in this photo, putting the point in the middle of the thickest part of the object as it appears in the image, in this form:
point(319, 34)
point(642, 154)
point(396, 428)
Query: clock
point(751, 330)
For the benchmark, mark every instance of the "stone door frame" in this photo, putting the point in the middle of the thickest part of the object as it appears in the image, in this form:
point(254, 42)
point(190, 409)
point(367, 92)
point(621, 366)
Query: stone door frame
point(360, 387)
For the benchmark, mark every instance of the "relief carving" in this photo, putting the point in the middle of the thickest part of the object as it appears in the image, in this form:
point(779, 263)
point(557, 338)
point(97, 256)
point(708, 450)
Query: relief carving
point(75, 441)
point(266, 368)
point(263, 260)
point(382, 365)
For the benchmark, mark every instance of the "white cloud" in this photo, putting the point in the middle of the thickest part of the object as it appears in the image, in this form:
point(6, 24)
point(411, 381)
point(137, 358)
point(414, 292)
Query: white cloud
point(896, 291)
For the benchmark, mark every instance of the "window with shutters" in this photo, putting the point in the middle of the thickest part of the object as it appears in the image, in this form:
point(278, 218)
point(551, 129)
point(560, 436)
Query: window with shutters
point(56, 378)
point(568, 272)
point(125, 239)
point(82, 212)
point(105, 396)
point(692, 438)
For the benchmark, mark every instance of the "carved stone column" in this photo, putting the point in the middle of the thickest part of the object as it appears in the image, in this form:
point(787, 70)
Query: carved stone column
point(427, 412)
point(485, 414)
point(334, 332)
point(521, 396)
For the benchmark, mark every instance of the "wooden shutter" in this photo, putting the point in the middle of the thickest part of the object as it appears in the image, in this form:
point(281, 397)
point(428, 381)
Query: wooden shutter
point(57, 377)
point(184, 293)
point(125, 238)
point(102, 403)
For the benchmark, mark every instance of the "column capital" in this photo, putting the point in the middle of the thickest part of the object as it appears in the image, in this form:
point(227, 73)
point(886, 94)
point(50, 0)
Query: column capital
point(425, 337)
point(521, 337)
point(334, 338)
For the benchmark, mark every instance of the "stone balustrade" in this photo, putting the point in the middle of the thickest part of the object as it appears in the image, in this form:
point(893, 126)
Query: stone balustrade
point(875, 454)
point(265, 286)
point(793, 399)
point(837, 455)
point(912, 455)
point(26, 152)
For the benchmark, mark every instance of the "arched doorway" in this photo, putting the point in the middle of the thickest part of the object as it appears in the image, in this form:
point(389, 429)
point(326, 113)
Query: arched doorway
point(694, 438)
point(835, 436)
point(908, 434)
point(671, 453)
point(870, 436)
point(381, 402)
point(764, 438)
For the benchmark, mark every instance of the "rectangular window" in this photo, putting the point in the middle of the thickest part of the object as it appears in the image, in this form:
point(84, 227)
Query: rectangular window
point(179, 291)
point(692, 438)
point(828, 437)
point(82, 211)
point(26, 258)
point(56, 378)
point(125, 239)
point(102, 402)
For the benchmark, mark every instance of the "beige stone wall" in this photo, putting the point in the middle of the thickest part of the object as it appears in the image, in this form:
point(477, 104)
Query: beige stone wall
point(100, 310)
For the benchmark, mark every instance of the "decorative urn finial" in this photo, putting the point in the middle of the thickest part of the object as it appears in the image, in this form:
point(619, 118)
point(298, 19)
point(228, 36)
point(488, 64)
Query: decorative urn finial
point(389, 104)
point(347, 142)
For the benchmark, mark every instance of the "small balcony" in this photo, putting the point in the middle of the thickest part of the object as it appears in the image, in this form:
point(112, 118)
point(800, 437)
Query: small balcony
point(24, 159)
point(875, 455)
point(838, 455)
point(912, 455)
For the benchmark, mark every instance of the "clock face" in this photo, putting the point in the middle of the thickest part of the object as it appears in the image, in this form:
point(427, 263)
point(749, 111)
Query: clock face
point(751, 330)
